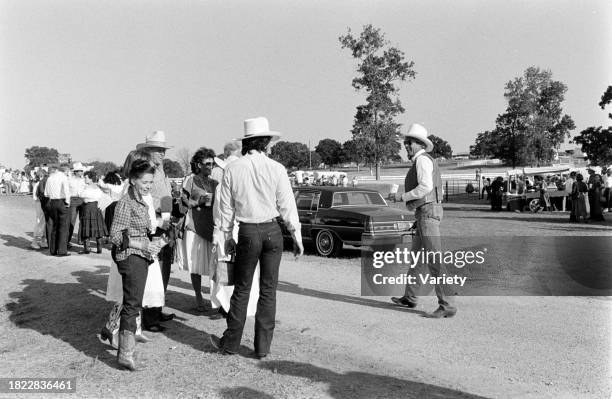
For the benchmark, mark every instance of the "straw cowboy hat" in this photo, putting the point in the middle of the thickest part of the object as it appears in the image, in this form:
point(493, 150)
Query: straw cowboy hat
point(258, 127)
point(419, 133)
point(78, 166)
point(157, 139)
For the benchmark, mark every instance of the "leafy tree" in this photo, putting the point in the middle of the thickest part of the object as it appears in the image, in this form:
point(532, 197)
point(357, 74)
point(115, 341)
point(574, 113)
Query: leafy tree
point(291, 155)
point(596, 142)
point(533, 123)
point(183, 156)
point(173, 168)
point(102, 168)
point(441, 147)
point(379, 68)
point(359, 150)
point(330, 151)
point(38, 156)
point(606, 99)
point(315, 160)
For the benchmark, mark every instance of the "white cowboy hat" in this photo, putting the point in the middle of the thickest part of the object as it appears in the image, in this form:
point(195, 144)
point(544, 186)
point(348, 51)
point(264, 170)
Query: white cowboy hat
point(419, 133)
point(78, 166)
point(220, 162)
point(258, 127)
point(156, 139)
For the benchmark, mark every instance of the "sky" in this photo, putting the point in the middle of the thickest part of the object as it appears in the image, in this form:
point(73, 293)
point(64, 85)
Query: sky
point(94, 78)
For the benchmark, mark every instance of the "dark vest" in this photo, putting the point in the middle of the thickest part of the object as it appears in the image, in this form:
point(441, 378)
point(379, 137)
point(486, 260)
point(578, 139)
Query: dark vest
point(412, 181)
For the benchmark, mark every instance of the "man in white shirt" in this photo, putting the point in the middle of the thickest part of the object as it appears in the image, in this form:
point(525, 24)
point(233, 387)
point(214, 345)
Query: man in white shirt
point(57, 190)
point(423, 194)
point(255, 191)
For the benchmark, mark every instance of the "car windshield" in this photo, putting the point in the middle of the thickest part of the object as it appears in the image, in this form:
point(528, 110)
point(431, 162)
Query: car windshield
point(359, 198)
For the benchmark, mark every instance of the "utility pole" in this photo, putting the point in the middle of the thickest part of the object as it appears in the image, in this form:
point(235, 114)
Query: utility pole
point(309, 156)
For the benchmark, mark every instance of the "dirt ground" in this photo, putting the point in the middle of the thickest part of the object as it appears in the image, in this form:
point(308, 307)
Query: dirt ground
point(329, 342)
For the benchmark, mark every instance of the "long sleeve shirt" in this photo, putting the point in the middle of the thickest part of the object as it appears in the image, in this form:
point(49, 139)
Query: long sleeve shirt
point(131, 213)
point(256, 189)
point(424, 176)
point(57, 187)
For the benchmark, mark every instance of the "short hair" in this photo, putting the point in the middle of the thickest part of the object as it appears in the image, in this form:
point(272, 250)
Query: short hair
point(139, 168)
point(92, 175)
point(231, 147)
point(64, 167)
point(112, 178)
point(579, 177)
point(200, 155)
point(132, 157)
point(259, 143)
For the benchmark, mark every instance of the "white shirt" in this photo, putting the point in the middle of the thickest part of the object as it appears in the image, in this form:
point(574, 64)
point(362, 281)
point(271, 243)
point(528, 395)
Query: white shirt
point(114, 191)
point(425, 168)
point(91, 193)
point(57, 187)
point(256, 189)
point(569, 182)
point(607, 181)
point(76, 186)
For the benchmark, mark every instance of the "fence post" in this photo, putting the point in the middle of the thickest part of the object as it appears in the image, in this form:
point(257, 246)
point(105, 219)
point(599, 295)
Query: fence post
point(446, 191)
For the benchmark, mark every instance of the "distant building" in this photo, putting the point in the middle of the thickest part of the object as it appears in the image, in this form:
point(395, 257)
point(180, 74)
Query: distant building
point(64, 158)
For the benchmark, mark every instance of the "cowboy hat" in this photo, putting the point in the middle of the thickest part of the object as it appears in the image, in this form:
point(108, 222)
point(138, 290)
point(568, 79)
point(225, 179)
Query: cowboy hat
point(258, 127)
point(157, 139)
point(78, 166)
point(419, 133)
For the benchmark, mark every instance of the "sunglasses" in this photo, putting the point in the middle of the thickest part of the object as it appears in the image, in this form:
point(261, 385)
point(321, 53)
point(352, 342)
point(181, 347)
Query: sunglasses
point(408, 142)
point(209, 164)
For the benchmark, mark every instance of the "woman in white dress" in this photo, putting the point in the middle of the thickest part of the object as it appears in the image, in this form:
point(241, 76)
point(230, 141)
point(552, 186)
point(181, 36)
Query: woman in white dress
point(198, 195)
point(154, 288)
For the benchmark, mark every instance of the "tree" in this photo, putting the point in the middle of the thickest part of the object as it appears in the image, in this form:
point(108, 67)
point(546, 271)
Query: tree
point(173, 168)
point(379, 68)
point(330, 151)
point(315, 160)
point(37, 156)
point(441, 147)
point(183, 156)
point(102, 168)
point(290, 155)
point(533, 124)
point(596, 142)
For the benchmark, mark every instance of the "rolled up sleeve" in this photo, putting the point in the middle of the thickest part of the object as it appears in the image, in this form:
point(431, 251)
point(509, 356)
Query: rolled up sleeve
point(285, 202)
point(226, 204)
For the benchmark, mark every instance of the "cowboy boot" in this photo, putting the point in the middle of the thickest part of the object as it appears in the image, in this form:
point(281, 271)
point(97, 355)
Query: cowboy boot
point(85, 247)
point(110, 331)
point(125, 355)
point(99, 245)
point(139, 336)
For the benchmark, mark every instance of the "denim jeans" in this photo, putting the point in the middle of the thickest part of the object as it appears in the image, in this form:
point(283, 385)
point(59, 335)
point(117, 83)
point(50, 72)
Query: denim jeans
point(427, 238)
point(134, 272)
point(261, 243)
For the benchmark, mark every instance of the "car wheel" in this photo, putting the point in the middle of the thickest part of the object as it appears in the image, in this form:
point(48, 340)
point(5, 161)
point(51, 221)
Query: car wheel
point(534, 205)
point(328, 244)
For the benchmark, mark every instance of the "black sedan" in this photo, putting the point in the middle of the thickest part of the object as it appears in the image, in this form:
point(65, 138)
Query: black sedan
point(334, 216)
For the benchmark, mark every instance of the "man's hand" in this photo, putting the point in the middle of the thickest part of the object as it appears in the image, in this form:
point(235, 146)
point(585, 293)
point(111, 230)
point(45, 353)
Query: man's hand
point(298, 247)
point(230, 246)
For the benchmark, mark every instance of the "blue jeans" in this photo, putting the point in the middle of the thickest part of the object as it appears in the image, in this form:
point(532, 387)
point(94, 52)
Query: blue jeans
point(261, 243)
point(134, 272)
point(427, 238)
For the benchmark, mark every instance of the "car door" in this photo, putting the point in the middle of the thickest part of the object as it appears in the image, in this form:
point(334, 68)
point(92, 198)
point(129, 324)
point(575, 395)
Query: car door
point(307, 202)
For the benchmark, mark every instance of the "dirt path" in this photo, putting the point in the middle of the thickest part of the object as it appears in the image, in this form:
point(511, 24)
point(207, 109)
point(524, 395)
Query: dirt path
point(329, 342)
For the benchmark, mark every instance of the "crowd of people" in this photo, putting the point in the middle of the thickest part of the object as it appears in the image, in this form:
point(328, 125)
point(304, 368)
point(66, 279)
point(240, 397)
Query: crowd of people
point(222, 223)
point(585, 199)
point(16, 181)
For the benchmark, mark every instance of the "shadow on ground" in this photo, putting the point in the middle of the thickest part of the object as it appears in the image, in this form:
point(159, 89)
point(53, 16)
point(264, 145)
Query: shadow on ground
point(360, 385)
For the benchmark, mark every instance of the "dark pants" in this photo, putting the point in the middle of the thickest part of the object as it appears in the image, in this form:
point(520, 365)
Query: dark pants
point(256, 242)
point(150, 316)
point(57, 226)
point(76, 204)
point(133, 271)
